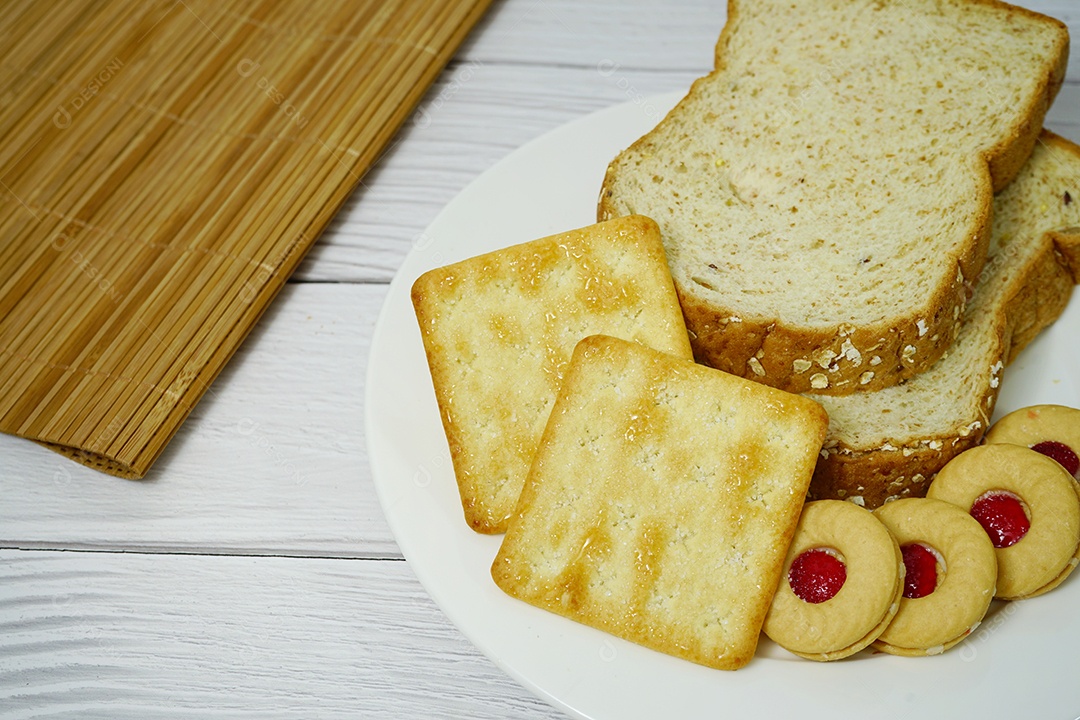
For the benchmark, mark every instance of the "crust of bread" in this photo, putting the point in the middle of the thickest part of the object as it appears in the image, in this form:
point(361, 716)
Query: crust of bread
point(1069, 250)
point(1007, 157)
point(1038, 293)
point(833, 360)
point(872, 477)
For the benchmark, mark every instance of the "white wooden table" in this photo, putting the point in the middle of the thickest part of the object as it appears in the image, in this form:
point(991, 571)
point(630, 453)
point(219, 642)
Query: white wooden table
point(252, 574)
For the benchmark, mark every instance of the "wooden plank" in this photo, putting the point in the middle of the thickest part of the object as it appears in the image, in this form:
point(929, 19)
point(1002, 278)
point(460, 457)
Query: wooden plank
point(440, 151)
point(640, 34)
point(273, 461)
point(100, 635)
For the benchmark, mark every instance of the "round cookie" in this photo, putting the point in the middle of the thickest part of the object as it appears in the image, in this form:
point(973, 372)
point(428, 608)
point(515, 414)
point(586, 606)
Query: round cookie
point(1053, 430)
point(1026, 486)
point(951, 573)
point(843, 614)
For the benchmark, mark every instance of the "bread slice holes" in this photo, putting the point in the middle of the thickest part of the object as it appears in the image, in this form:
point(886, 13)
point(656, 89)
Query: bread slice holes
point(703, 283)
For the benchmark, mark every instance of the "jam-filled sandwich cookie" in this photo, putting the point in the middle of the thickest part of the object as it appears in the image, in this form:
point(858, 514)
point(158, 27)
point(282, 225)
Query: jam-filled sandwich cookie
point(841, 584)
point(950, 575)
point(1027, 504)
point(1053, 430)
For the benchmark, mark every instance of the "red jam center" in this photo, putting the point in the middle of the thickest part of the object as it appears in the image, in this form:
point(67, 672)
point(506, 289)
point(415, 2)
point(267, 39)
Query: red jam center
point(1002, 517)
point(921, 565)
point(816, 576)
point(1061, 452)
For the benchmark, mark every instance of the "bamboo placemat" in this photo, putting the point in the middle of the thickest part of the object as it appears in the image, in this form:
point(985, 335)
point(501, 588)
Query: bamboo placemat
point(164, 165)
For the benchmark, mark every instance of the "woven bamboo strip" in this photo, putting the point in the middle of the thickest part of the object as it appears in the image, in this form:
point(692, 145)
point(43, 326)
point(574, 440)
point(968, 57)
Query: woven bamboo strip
point(165, 166)
point(85, 203)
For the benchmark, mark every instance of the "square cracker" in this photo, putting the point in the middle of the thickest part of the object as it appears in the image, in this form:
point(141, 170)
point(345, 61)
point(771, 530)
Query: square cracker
point(499, 330)
point(662, 501)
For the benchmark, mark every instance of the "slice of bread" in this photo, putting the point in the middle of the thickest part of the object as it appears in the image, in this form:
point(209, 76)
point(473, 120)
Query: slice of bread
point(890, 443)
point(825, 193)
point(499, 329)
point(662, 501)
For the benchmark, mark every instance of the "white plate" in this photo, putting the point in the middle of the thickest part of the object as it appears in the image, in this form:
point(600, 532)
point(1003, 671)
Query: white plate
point(1020, 663)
